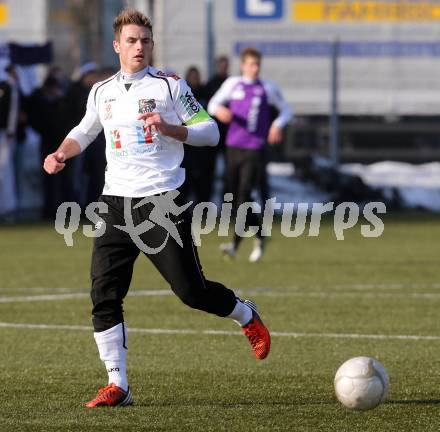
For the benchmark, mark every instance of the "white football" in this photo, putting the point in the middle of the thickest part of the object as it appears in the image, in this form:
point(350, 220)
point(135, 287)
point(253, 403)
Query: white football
point(361, 383)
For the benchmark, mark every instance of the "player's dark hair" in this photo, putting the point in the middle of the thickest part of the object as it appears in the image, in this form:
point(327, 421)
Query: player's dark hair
point(130, 16)
point(250, 52)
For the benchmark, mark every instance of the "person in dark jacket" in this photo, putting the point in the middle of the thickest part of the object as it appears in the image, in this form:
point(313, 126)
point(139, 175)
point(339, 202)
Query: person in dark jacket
point(45, 109)
point(9, 111)
point(199, 162)
point(88, 169)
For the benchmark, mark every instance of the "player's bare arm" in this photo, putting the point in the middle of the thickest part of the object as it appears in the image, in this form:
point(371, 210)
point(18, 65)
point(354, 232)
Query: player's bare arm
point(56, 161)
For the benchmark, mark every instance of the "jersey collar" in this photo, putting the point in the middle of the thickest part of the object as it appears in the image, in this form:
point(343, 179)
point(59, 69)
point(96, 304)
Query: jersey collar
point(247, 80)
point(127, 78)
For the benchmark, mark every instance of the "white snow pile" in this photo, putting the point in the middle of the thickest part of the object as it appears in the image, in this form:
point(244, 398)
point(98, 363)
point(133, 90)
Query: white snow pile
point(418, 185)
point(288, 189)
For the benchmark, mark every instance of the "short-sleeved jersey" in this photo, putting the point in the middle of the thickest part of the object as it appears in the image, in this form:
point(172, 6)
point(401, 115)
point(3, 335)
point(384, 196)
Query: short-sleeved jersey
point(250, 104)
point(140, 162)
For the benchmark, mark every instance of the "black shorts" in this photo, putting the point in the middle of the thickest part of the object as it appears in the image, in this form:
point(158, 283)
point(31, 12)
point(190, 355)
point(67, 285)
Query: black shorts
point(115, 252)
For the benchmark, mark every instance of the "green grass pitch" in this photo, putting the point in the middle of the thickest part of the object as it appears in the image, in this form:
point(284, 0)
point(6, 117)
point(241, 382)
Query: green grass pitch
point(324, 299)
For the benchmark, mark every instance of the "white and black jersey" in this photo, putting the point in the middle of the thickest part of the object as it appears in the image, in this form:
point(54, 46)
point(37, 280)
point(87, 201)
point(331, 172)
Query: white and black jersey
point(140, 161)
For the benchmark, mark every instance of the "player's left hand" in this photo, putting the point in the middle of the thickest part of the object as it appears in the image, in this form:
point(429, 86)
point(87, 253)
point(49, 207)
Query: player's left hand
point(155, 121)
point(275, 135)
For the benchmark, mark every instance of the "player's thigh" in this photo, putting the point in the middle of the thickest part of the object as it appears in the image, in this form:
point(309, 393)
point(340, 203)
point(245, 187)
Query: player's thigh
point(249, 175)
point(179, 264)
point(114, 253)
point(233, 159)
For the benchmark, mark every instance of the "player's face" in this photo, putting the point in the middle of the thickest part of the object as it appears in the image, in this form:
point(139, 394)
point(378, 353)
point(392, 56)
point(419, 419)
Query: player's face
point(135, 47)
point(250, 67)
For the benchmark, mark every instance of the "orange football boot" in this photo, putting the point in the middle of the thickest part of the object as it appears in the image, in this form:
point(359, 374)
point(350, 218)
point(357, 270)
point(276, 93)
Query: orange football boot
point(111, 395)
point(257, 333)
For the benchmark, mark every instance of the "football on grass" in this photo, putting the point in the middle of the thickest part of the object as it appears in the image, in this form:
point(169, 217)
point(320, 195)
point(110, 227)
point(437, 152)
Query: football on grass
point(361, 383)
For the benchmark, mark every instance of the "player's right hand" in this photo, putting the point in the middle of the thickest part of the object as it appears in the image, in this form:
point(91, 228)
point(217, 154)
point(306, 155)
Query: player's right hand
point(54, 162)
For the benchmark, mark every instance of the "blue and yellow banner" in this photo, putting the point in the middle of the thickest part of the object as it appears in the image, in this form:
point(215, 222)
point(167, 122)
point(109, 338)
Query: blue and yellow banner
point(366, 11)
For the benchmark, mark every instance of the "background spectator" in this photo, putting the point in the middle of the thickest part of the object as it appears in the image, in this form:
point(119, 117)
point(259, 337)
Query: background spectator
point(46, 116)
point(9, 111)
point(74, 110)
point(199, 162)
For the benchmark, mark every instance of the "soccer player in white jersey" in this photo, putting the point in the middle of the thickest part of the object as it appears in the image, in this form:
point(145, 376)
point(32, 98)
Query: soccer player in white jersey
point(146, 116)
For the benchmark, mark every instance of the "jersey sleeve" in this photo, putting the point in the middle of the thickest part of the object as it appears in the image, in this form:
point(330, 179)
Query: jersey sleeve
point(202, 129)
point(276, 99)
point(223, 95)
point(186, 106)
point(90, 126)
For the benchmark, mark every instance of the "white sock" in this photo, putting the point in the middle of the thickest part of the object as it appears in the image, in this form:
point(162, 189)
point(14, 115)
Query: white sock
point(241, 314)
point(112, 347)
point(117, 373)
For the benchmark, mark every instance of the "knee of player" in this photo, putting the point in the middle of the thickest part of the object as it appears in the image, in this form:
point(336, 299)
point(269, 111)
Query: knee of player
point(189, 294)
point(107, 308)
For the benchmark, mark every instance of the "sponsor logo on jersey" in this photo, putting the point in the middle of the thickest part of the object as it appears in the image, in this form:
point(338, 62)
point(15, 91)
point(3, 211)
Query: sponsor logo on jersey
point(146, 105)
point(109, 99)
point(190, 104)
point(115, 139)
point(119, 153)
point(145, 141)
point(168, 75)
point(144, 135)
point(141, 150)
point(254, 112)
point(238, 94)
point(108, 113)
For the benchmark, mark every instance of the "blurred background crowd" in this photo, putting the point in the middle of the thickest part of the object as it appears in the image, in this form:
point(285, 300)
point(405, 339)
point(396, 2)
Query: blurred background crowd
point(34, 125)
point(38, 122)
